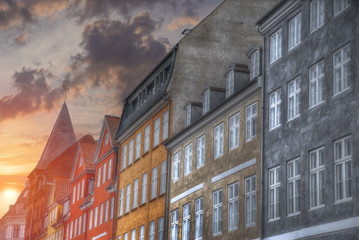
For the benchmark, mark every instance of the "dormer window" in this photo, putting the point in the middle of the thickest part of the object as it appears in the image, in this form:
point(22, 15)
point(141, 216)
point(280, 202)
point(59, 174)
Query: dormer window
point(254, 67)
point(188, 115)
point(81, 161)
point(106, 139)
point(230, 84)
point(206, 101)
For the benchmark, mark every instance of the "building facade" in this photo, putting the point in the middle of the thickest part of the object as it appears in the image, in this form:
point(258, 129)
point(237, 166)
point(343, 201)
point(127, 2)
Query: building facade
point(310, 125)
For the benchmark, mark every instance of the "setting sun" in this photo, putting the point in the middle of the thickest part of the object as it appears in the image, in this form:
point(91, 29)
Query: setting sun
point(9, 193)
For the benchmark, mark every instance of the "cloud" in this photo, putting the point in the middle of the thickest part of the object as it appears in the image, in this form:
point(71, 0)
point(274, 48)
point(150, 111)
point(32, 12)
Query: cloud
point(21, 39)
point(183, 21)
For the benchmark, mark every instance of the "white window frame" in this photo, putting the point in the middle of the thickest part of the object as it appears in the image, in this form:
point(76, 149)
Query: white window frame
point(133, 234)
point(186, 222)
point(174, 225)
point(120, 202)
point(233, 207)
point(233, 131)
point(340, 5)
point(104, 168)
point(295, 31)
point(135, 193)
point(254, 65)
point(109, 172)
point(188, 115)
point(217, 212)
point(163, 178)
point(154, 177)
point(317, 7)
point(144, 188)
point(201, 151)
point(187, 159)
point(343, 161)
point(112, 211)
point(218, 133)
point(101, 215)
point(107, 138)
point(250, 200)
point(251, 121)
point(316, 178)
point(275, 109)
point(206, 99)
point(74, 195)
point(293, 99)
point(293, 188)
point(230, 83)
point(106, 210)
point(82, 187)
point(130, 151)
point(142, 233)
point(316, 81)
point(124, 157)
point(95, 218)
point(125, 236)
point(78, 191)
point(90, 219)
point(128, 198)
point(146, 142)
point(341, 84)
point(275, 45)
point(198, 232)
point(156, 132)
point(152, 230)
point(138, 146)
point(176, 169)
point(165, 125)
point(274, 186)
point(84, 223)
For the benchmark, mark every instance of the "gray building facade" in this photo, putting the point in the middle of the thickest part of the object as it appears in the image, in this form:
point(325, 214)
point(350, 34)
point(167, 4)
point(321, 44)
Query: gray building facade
point(310, 120)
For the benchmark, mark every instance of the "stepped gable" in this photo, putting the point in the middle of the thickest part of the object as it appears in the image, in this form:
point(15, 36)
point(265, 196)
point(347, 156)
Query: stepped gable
point(62, 188)
point(112, 125)
point(62, 165)
point(61, 138)
point(88, 148)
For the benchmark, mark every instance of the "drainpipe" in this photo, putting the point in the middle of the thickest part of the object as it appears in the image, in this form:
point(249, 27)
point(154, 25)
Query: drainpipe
point(116, 192)
point(166, 217)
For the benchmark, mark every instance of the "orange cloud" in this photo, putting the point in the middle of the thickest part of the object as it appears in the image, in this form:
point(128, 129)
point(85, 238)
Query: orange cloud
point(182, 21)
point(21, 39)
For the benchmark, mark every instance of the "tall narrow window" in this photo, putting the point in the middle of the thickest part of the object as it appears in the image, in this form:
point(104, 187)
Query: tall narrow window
point(109, 171)
point(295, 29)
point(316, 75)
point(341, 63)
point(161, 228)
point(124, 156)
point(276, 46)
point(154, 177)
point(125, 236)
point(138, 146)
point(174, 225)
point(101, 214)
point(95, 217)
point(217, 213)
point(75, 229)
point(128, 198)
point(233, 206)
point(82, 187)
point(186, 224)
point(78, 191)
point(250, 200)
point(188, 115)
point(206, 101)
point(274, 109)
point(146, 144)
point(188, 159)
point(293, 187)
point(251, 121)
point(317, 181)
point(234, 131)
point(130, 151)
point(112, 207)
point(343, 169)
point(106, 211)
point(176, 166)
point(135, 194)
point(151, 234)
point(293, 99)
point(74, 195)
point(218, 140)
point(317, 12)
point(156, 132)
point(142, 233)
point(133, 234)
point(230, 84)
point(71, 229)
point(198, 233)
point(104, 168)
point(254, 65)
point(120, 202)
point(90, 220)
point(107, 137)
point(165, 125)
point(274, 185)
point(84, 223)
point(340, 5)
point(201, 147)
point(163, 177)
point(144, 189)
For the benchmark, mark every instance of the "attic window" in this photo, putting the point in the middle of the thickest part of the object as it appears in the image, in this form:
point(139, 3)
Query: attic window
point(188, 115)
point(206, 101)
point(254, 67)
point(106, 139)
point(230, 83)
point(81, 161)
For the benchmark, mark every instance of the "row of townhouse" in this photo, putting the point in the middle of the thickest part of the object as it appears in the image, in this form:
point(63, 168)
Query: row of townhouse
point(238, 133)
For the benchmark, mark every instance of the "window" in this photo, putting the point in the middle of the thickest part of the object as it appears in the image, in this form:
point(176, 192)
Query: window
point(95, 217)
point(188, 115)
point(146, 143)
point(84, 223)
point(276, 46)
point(81, 161)
point(176, 166)
point(156, 133)
point(107, 138)
point(130, 151)
point(109, 169)
point(188, 159)
point(293, 99)
point(120, 202)
point(340, 5)
point(112, 207)
point(104, 168)
point(341, 62)
point(186, 224)
point(161, 228)
point(343, 169)
point(78, 191)
point(218, 140)
point(233, 206)
point(274, 185)
point(251, 121)
point(234, 131)
point(71, 228)
point(128, 198)
point(163, 177)
point(274, 110)
point(124, 155)
point(142, 232)
point(317, 181)
point(165, 125)
point(80, 225)
point(250, 200)
point(217, 213)
point(316, 75)
point(82, 187)
point(101, 214)
point(90, 220)
point(316, 14)
point(295, 29)
point(144, 189)
point(138, 146)
point(198, 233)
point(151, 234)
point(106, 211)
point(254, 65)
point(125, 236)
point(174, 225)
point(293, 176)
point(206, 101)
point(75, 229)
point(133, 234)
point(230, 83)
point(16, 233)
point(135, 193)
point(201, 151)
point(154, 177)
point(74, 195)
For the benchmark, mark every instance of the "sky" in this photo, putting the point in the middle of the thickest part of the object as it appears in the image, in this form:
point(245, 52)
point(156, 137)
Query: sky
point(98, 49)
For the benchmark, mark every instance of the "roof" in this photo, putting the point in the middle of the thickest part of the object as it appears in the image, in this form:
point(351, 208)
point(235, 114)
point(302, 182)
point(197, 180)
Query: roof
point(61, 138)
point(61, 165)
point(62, 188)
point(112, 125)
point(88, 148)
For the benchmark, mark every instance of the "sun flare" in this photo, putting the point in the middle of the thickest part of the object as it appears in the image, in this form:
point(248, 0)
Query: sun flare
point(10, 193)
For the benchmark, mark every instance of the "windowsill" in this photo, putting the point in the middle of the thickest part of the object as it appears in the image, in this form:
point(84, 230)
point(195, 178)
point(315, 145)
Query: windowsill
point(314, 30)
point(233, 148)
point(175, 180)
point(145, 153)
point(294, 47)
point(163, 141)
point(185, 175)
point(199, 167)
point(274, 61)
point(162, 194)
point(232, 229)
point(317, 207)
point(133, 209)
point(250, 225)
point(217, 234)
point(293, 118)
point(316, 105)
point(122, 170)
point(342, 91)
point(126, 213)
point(154, 147)
point(252, 138)
point(273, 220)
point(142, 204)
point(276, 127)
point(136, 159)
point(129, 165)
point(218, 157)
point(343, 200)
point(341, 11)
point(152, 199)
point(293, 214)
